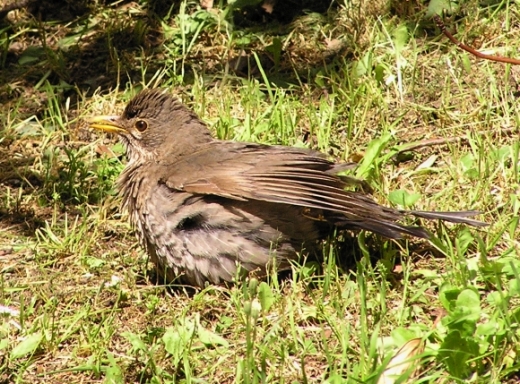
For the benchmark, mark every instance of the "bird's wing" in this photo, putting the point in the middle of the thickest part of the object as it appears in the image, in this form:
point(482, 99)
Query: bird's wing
point(271, 173)
point(291, 176)
point(283, 175)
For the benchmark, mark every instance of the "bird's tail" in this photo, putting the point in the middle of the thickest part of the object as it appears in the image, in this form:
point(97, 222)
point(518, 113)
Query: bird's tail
point(393, 229)
point(461, 217)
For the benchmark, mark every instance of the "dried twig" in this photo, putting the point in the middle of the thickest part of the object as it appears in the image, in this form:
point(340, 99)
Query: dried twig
point(446, 140)
point(469, 49)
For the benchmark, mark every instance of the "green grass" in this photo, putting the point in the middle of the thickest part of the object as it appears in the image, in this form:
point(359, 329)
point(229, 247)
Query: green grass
point(80, 302)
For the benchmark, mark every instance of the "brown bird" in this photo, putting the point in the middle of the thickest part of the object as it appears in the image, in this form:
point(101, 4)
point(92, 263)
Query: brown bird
point(213, 210)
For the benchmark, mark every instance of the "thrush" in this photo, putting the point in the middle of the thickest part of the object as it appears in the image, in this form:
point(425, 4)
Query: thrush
point(209, 210)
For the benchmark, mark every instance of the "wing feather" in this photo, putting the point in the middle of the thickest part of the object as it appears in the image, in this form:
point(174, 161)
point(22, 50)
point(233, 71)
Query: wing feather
point(291, 176)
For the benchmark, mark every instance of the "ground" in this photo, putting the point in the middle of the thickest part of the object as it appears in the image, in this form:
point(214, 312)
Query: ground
point(432, 127)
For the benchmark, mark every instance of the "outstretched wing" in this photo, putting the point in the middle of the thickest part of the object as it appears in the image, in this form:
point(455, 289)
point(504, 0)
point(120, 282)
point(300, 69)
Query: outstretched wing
point(289, 175)
point(275, 174)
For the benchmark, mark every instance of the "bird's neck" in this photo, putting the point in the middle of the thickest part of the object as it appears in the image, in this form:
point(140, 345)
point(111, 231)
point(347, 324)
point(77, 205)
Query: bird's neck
point(187, 142)
point(134, 181)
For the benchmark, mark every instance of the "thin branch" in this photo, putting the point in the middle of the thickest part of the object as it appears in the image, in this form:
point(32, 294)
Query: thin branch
point(469, 49)
point(446, 140)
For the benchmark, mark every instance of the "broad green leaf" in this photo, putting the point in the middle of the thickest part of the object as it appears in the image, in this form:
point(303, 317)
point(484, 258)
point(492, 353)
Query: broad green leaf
point(403, 198)
point(276, 50)
point(464, 313)
point(467, 161)
point(437, 7)
point(379, 73)
point(448, 296)
point(511, 267)
point(469, 300)
point(173, 342)
point(266, 297)
point(375, 147)
point(27, 59)
point(513, 225)
point(362, 66)
point(336, 378)
point(400, 37)
point(514, 287)
point(466, 63)
point(210, 338)
point(94, 262)
point(177, 339)
point(469, 166)
point(496, 298)
point(224, 323)
point(27, 345)
point(426, 273)
point(464, 239)
point(455, 352)
point(31, 55)
point(4, 343)
point(319, 79)
point(113, 374)
point(401, 335)
point(515, 316)
point(503, 153)
point(490, 328)
point(136, 341)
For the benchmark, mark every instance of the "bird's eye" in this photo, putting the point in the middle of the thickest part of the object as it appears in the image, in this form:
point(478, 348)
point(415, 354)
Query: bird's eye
point(141, 125)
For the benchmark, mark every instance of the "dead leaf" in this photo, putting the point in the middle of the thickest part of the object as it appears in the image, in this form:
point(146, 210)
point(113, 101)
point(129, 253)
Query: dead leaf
point(268, 6)
point(405, 360)
point(333, 44)
point(206, 4)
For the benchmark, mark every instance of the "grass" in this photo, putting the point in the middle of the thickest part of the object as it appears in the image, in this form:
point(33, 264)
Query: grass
point(79, 300)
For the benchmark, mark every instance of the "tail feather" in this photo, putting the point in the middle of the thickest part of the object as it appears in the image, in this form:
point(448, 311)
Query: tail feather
point(394, 230)
point(388, 229)
point(461, 217)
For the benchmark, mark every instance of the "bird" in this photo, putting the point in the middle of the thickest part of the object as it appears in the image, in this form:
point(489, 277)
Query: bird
point(210, 211)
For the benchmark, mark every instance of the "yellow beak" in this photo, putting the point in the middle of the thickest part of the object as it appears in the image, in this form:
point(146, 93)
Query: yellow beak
point(106, 123)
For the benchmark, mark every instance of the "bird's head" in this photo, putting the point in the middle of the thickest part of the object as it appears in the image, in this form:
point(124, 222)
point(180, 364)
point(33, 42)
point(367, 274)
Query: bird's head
point(155, 125)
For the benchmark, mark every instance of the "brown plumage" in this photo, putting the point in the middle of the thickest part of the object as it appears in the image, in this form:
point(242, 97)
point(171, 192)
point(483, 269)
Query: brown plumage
point(211, 210)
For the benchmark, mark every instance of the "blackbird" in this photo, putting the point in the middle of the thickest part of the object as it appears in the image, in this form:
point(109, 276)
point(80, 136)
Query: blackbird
point(209, 210)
